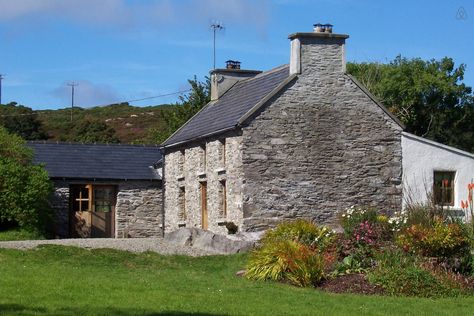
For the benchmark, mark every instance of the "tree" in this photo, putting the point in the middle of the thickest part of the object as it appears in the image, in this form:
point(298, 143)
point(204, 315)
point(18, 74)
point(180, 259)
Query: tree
point(22, 121)
point(429, 97)
point(24, 188)
point(93, 131)
point(186, 108)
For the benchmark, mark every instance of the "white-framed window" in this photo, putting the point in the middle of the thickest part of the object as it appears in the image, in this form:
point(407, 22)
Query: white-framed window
point(443, 187)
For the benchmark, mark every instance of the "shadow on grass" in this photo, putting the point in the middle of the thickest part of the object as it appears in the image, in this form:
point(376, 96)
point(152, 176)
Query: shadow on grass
point(16, 309)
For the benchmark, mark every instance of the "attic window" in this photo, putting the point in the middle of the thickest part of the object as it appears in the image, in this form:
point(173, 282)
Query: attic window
point(203, 161)
point(222, 151)
point(443, 187)
point(181, 161)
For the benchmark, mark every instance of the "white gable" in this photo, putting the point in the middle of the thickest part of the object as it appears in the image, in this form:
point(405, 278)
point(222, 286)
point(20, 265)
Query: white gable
point(421, 157)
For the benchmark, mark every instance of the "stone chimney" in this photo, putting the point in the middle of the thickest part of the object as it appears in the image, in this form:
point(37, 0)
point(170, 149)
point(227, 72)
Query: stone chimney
point(223, 79)
point(319, 52)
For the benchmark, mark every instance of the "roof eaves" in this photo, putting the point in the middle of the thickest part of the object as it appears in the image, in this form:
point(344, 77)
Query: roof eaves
point(376, 101)
point(200, 137)
point(263, 101)
point(439, 145)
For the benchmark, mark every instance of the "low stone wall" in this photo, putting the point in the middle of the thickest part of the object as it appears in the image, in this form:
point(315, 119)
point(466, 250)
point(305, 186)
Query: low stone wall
point(137, 210)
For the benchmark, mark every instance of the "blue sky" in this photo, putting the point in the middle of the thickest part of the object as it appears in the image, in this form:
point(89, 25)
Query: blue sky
point(119, 50)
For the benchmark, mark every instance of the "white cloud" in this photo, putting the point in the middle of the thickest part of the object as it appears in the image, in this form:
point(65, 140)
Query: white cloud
point(122, 13)
point(87, 94)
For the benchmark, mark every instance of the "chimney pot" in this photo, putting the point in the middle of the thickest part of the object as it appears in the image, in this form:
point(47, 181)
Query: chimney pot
point(328, 28)
point(232, 64)
point(318, 28)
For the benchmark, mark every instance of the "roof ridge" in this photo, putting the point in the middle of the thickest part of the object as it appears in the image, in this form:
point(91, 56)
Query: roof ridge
point(91, 144)
point(264, 73)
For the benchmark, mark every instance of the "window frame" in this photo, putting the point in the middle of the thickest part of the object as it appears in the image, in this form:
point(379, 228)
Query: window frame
point(440, 197)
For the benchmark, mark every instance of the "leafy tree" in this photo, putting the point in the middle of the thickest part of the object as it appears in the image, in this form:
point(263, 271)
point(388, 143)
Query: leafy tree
point(24, 187)
point(187, 107)
point(93, 131)
point(429, 97)
point(22, 121)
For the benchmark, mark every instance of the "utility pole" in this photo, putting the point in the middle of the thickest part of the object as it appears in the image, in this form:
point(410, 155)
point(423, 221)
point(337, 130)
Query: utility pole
point(216, 26)
point(72, 84)
point(1, 78)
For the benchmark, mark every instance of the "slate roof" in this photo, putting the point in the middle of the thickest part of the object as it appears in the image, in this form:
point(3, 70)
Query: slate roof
point(97, 161)
point(225, 113)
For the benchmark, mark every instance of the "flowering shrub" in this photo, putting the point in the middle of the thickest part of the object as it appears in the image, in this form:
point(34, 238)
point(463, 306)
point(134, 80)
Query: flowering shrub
point(442, 240)
point(353, 216)
point(397, 221)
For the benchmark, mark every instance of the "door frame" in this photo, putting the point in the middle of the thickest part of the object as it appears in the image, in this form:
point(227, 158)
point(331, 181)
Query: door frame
point(91, 206)
point(204, 208)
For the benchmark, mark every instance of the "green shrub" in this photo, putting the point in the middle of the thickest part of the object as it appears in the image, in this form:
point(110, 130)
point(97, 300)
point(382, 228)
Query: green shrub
point(303, 231)
point(441, 240)
point(24, 188)
point(402, 274)
point(288, 261)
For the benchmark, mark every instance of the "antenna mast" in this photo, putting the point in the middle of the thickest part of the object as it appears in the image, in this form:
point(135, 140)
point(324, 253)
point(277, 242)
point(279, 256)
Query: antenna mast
point(72, 84)
point(1, 78)
point(216, 26)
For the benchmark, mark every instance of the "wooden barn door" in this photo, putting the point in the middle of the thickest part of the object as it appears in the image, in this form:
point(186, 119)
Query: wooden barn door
point(103, 212)
point(92, 211)
point(204, 214)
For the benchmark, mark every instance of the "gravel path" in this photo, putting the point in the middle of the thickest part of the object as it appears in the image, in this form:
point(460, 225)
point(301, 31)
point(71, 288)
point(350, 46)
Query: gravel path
point(158, 245)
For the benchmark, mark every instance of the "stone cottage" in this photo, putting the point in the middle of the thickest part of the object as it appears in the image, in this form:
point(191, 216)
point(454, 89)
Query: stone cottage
point(303, 140)
point(103, 190)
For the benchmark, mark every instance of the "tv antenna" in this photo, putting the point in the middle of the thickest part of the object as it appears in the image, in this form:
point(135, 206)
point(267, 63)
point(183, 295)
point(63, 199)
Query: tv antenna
point(216, 26)
point(72, 84)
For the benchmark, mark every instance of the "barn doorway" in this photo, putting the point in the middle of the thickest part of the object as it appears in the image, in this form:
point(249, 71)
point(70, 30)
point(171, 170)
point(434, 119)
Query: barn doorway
point(92, 211)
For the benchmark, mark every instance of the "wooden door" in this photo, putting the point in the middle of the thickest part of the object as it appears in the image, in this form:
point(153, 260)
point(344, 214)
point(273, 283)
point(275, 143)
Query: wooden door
point(204, 214)
point(103, 211)
point(80, 206)
point(92, 211)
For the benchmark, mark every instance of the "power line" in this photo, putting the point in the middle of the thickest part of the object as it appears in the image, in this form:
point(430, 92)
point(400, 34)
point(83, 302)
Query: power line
point(119, 102)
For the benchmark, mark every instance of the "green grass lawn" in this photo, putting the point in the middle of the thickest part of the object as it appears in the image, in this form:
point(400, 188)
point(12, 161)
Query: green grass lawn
point(18, 234)
point(56, 280)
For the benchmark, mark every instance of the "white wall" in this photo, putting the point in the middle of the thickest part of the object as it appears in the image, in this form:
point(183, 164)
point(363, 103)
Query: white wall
point(421, 157)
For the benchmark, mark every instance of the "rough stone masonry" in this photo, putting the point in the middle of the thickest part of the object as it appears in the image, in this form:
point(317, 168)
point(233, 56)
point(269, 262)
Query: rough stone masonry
point(318, 146)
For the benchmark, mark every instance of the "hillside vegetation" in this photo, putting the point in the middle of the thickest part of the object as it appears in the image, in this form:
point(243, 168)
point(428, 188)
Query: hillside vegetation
point(131, 124)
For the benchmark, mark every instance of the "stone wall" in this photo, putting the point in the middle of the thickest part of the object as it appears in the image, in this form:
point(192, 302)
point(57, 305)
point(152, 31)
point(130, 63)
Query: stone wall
point(137, 211)
point(60, 204)
point(318, 147)
point(184, 169)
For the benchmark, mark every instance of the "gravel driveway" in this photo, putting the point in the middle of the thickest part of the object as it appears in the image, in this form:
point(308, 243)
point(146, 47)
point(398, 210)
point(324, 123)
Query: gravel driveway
point(158, 245)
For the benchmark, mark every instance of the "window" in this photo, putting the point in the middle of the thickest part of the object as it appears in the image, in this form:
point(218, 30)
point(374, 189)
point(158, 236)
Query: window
point(181, 161)
point(182, 204)
point(92, 198)
point(222, 151)
point(443, 187)
point(223, 199)
point(81, 198)
point(203, 157)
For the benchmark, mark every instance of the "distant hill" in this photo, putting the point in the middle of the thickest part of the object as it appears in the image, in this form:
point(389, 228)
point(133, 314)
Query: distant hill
point(131, 124)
